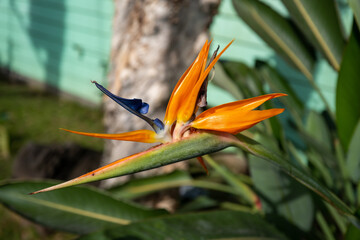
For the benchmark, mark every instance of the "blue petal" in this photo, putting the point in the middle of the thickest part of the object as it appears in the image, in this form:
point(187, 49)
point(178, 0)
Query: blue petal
point(159, 123)
point(135, 106)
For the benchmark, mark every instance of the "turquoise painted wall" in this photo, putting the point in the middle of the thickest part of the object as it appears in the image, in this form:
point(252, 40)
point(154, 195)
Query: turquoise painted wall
point(66, 43)
point(62, 43)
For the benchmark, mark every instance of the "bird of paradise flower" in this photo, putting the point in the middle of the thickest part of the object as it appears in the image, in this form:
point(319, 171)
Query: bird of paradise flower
point(180, 122)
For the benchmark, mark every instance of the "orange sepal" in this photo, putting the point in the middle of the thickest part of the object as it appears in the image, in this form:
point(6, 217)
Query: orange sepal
point(188, 103)
point(185, 84)
point(145, 136)
point(236, 116)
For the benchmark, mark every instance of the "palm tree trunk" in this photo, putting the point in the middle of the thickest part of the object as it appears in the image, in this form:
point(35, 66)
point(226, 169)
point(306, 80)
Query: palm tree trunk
point(153, 43)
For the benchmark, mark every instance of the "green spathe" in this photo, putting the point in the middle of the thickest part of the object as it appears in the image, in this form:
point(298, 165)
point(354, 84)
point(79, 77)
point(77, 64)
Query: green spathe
point(194, 146)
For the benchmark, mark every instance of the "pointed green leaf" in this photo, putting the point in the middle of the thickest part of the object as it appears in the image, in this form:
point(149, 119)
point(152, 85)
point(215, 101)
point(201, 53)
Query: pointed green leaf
point(276, 31)
point(320, 25)
point(353, 157)
point(285, 165)
point(77, 209)
point(280, 194)
point(194, 146)
point(206, 225)
point(347, 90)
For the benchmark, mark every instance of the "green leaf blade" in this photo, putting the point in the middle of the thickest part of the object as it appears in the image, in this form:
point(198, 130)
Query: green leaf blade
point(277, 32)
point(280, 193)
point(320, 25)
point(205, 225)
point(79, 210)
point(353, 157)
point(257, 149)
point(347, 90)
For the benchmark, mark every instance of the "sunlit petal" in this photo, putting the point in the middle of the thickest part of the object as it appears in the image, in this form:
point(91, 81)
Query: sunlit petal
point(235, 122)
point(236, 116)
point(244, 105)
point(185, 84)
point(189, 102)
point(145, 136)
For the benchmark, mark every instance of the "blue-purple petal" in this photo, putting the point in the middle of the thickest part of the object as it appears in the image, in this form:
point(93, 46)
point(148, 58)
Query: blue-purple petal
point(135, 106)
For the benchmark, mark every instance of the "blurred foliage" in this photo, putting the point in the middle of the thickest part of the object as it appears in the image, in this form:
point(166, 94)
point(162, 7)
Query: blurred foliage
point(320, 150)
point(29, 114)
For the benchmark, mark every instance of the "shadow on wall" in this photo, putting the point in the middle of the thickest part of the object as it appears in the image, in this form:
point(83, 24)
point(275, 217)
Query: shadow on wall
point(46, 30)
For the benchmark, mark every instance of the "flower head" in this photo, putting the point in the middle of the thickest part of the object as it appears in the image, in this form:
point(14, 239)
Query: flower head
point(181, 129)
point(188, 95)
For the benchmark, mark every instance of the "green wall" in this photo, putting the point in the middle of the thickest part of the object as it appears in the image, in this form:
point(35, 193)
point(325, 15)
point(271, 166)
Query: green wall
point(66, 43)
point(62, 43)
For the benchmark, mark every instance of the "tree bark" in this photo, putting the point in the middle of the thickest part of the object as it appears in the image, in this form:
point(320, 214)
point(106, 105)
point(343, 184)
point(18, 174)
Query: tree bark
point(153, 43)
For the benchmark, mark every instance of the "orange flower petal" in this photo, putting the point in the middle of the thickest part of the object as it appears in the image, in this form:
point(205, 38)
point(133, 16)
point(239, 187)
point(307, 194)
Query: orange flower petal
point(185, 84)
point(227, 123)
point(145, 136)
point(236, 116)
point(244, 105)
point(188, 106)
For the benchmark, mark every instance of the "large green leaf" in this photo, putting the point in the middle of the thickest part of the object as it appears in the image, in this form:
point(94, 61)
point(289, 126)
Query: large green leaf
point(276, 31)
point(353, 157)
point(280, 194)
point(347, 90)
point(206, 225)
point(77, 209)
point(321, 26)
point(285, 165)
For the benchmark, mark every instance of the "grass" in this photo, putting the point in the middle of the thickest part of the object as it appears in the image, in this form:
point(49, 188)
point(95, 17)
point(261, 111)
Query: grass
point(33, 115)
